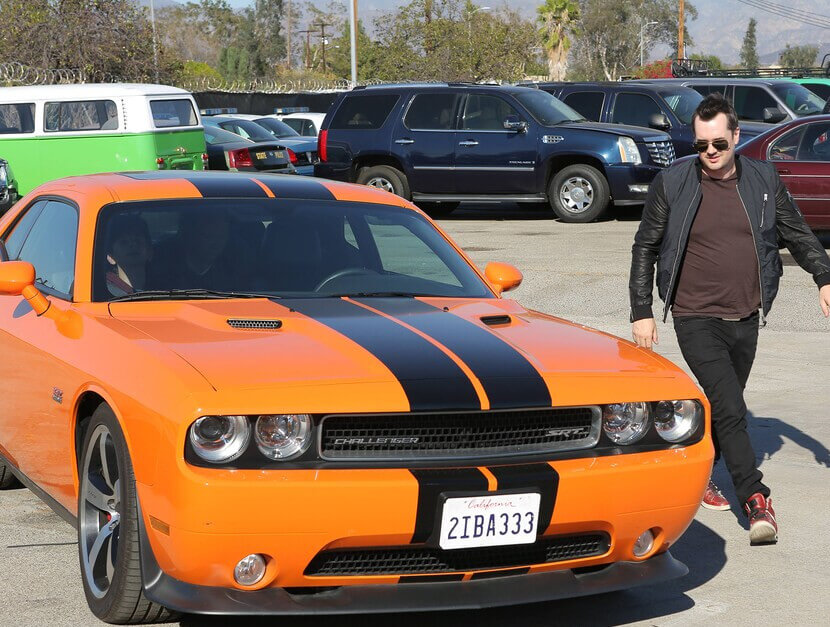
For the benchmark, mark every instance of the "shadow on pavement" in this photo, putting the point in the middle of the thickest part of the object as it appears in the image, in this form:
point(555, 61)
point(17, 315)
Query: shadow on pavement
point(700, 548)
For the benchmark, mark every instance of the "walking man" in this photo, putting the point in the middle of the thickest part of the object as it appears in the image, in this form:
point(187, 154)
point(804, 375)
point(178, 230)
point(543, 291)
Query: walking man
point(712, 225)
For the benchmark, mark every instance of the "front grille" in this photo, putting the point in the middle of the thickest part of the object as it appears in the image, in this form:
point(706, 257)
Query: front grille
point(408, 560)
point(454, 435)
point(249, 323)
point(662, 153)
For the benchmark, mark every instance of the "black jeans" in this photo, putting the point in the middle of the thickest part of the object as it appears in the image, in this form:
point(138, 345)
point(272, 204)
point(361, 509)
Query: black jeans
point(720, 354)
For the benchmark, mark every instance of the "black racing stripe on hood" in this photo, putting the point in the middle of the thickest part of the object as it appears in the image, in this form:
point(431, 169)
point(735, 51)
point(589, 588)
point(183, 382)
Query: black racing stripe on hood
point(508, 378)
point(209, 185)
point(431, 380)
point(293, 186)
point(432, 483)
point(531, 477)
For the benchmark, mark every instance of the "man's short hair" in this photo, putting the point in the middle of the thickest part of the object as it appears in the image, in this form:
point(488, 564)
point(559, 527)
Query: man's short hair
point(713, 104)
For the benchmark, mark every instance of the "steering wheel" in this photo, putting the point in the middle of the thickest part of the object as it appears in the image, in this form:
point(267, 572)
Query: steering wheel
point(339, 274)
point(803, 107)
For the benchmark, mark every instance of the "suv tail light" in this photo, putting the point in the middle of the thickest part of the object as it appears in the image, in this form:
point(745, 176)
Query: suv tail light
point(292, 156)
point(240, 158)
point(321, 145)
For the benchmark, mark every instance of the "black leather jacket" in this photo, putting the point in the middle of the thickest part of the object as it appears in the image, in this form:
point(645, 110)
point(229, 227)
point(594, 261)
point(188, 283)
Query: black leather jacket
point(671, 205)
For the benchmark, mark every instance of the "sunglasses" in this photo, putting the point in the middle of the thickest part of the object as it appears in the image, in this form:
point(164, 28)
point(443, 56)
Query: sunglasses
point(701, 145)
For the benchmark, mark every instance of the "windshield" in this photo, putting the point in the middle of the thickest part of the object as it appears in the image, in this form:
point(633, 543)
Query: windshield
point(683, 102)
point(279, 129)
point(545, 109)
point(214, 248)
point(215, 135)
point(799, 99)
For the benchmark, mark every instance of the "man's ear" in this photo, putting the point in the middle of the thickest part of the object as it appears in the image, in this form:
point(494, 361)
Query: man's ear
point(736, 135)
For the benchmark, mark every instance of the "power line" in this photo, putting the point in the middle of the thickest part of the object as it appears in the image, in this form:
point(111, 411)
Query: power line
point(804, 12)
point(787, 13)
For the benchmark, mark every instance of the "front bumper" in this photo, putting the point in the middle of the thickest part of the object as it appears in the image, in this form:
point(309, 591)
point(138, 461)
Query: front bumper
point(629, 183)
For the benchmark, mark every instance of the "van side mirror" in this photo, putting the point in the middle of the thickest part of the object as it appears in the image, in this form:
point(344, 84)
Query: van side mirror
point(659, 121)
point(773, 115)
point(513, 123)
point(502, 276)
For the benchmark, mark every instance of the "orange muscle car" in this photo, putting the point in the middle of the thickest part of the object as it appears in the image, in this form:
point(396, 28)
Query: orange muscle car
point(259, 394)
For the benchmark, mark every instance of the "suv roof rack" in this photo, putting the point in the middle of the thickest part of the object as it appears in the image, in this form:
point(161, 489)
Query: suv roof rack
point(685, 68)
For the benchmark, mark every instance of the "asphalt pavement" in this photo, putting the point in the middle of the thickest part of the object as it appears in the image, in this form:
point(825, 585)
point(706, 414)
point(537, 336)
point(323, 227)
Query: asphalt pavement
point(579, 272)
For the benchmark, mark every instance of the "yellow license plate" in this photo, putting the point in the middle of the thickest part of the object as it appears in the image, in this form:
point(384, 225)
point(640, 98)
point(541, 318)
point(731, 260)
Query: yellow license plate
point(279, 154)
point(261, 155)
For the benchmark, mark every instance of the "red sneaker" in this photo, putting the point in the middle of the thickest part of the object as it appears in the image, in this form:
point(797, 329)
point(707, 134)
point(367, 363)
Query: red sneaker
point(762, 526)
point(713, 498)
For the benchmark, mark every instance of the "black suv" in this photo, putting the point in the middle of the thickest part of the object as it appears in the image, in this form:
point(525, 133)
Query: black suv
point(440, 144)
point(664, 107)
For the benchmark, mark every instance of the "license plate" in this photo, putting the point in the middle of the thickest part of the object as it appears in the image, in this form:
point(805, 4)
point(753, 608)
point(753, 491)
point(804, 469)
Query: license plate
point(261, 155)
point(490, 520)
point(279, 154)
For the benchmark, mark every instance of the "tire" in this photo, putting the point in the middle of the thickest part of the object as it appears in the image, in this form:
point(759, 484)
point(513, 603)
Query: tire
point(579, 193)
point(385, 177)
point(438, 209)
point(7, 480)
point(108, 519)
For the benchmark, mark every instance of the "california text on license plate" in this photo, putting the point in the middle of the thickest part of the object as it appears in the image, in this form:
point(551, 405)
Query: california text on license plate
point(489, 520)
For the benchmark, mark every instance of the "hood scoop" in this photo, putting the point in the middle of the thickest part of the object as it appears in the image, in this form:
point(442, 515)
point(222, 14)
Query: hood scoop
point(498, 320)
point(258, 324)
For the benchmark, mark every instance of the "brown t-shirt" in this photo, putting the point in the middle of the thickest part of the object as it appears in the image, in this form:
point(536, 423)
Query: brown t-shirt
point(719, 273)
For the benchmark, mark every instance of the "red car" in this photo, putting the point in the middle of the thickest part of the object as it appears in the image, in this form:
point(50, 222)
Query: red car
point(800, 151)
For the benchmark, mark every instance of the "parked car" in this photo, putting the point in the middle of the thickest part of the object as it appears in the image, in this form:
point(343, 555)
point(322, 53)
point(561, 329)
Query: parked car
point(755, 99)
point(800, 151)
point(51, 131)
point(306, 123)
point(301, 151)
point(290, 431)
point(8, 187)
point(666, 108)
point(441, 144)
point(228, 151)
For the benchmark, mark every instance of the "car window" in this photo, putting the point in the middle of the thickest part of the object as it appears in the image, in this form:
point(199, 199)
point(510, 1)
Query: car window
point(704, 89)
point(486, 113)
point(683, 102)
point(14, 239)
point(17, 118)
point(308, 129)
point(798, 98)
point(634, 109)
point(433, 111)
point(178, 112)
point(750, 102)
point(815, 145)
point(88, 115)
point(363, 112)
point(822, 90)
point(294, 123)
point(785, 148)
point(248, 130)
point(276, 127)
point(215, 135)
point(587, 103)
point(50, 247)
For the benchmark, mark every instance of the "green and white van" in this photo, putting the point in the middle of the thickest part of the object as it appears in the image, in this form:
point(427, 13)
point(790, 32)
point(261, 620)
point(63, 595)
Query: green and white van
point(51, 131)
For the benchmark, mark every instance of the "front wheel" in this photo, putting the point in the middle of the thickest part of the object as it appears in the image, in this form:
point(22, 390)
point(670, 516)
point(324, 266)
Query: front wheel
point(108, 544)
point(385, 177)
point(579, 193)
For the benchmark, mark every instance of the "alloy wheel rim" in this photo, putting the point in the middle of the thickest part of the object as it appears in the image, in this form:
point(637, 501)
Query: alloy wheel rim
point(381, 183)
point(100, 511)
point(577, 194)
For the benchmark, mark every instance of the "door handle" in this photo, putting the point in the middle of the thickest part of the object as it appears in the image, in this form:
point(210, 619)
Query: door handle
point(468, 142)
point(405, 140)
point(783, 171)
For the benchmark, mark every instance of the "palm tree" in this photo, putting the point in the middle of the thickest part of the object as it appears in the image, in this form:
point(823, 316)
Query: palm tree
point(557, 20)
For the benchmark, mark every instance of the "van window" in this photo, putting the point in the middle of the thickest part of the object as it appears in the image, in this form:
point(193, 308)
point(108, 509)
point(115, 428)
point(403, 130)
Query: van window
point(17, 118)
point(588, 103)
point(634, 109)
point(364, 112)
point(173, 113)
point(432, 112)
point(87, 115)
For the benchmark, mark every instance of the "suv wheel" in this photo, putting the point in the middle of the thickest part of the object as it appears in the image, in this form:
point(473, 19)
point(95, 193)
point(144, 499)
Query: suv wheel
point(579, 193)
point(438, 209)
point(384, 177)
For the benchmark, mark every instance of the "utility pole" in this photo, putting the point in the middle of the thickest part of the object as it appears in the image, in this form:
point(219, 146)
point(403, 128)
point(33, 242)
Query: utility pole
point(307, 51)
point(681, 27)
point(322, 26)
point(288, 32)
point(353, 38)
point(155, 41)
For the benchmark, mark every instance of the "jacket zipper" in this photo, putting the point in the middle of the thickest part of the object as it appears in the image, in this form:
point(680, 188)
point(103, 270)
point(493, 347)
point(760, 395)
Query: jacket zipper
point(763, 210)
point(757, 257)
point(677, 258)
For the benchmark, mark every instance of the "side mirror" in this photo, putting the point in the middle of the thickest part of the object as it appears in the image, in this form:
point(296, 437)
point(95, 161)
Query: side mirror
point(18, 278)
point(659, 121)
point(773, 115)
point(503, 276)
point(513, 123)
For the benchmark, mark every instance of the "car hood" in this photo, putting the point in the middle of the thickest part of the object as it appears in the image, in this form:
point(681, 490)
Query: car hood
point(637, 133)
point(446, 353)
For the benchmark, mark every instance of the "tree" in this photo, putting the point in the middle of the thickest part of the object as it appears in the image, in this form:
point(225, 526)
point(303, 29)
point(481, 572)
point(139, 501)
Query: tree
point(557, 19)
point(798, 56)
point(749, 51)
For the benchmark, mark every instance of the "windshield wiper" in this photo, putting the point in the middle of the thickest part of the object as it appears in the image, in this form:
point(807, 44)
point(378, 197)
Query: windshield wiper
point(186, 294)
point(569, 121)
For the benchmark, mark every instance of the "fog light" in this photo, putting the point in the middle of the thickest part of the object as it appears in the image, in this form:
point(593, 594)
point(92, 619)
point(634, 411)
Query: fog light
point(249, 570)
point(644, 543)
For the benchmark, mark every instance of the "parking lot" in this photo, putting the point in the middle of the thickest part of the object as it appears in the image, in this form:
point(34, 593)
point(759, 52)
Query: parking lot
point(580, 272)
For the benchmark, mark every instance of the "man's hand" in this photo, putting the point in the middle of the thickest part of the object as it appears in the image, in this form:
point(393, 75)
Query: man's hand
point(824, 300)
point(645, 330)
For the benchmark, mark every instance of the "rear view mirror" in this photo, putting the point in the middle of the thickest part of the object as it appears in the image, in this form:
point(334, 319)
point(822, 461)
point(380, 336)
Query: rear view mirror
point(773, 115)
point(659, 121)
point(513, 123)
point(502, 276)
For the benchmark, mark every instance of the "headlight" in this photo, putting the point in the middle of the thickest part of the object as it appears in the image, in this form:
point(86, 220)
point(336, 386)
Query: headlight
point(283, 436)
point(629, 153)
point(220, 439)
point(625, 423)
point(677, 420)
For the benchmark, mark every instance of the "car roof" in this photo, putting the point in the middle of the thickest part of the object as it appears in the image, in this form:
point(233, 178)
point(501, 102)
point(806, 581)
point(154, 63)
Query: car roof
point(713, 79)
point(610, 85)
point(432, 86)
